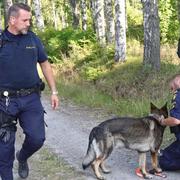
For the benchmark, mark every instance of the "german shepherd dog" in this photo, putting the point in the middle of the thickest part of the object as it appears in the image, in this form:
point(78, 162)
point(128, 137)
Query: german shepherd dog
point(141, 134)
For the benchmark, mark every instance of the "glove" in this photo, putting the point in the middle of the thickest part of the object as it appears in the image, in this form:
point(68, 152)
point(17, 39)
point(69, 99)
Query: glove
point(5, 135)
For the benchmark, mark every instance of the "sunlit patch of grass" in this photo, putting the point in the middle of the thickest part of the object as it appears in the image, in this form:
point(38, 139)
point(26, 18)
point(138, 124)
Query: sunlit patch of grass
point(48, 165)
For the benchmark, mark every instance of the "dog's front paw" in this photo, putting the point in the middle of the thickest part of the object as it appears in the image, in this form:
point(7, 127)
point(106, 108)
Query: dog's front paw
point(147, 176)
point(105, 169)
point(100, 177)
point(158, 170)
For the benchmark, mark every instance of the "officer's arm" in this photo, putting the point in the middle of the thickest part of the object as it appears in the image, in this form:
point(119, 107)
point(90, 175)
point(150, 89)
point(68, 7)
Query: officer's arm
point(48, 74)
point(170, 121)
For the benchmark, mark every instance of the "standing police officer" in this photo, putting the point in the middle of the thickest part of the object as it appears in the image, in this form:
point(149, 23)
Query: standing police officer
point(20, 86)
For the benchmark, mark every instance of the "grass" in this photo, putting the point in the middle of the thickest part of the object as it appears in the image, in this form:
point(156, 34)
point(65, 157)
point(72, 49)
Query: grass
point(127, 89)
point(50, 166)
point(91, 77)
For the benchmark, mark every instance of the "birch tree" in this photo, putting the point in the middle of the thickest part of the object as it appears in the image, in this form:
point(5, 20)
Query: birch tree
point(0, 19)
point(84, 14)
point(99, 21)
point(151, 34)
point(7, 4)
point(22, 1)
point(63, 16)
point(109, 18)
point(75, 12)
point(54, 13)
point(120, 31)
point(38, 14)
point(178, 9)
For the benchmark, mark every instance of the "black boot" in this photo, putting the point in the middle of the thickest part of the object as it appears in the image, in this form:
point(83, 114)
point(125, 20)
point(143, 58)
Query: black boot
point(23, 169)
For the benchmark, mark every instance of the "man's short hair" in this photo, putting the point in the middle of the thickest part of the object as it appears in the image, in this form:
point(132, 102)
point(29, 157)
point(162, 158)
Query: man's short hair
point(14, 9)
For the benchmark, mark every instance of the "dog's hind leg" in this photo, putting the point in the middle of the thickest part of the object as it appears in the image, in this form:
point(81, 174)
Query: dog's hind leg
point(142, 165)
point(154, 161)
point(95, 166)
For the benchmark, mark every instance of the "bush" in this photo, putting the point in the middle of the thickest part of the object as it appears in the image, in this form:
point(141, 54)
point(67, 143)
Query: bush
point(58, 43)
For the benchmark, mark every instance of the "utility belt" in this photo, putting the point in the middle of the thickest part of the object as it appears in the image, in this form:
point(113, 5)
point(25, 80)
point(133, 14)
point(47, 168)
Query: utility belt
point(22, 92)
point(18, 93)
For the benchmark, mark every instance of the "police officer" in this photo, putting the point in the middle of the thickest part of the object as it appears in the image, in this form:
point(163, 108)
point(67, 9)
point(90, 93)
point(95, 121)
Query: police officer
point(20, 86)
point(170, 157)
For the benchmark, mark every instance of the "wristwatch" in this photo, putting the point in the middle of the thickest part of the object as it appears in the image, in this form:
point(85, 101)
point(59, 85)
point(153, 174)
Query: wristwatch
point(54, 93)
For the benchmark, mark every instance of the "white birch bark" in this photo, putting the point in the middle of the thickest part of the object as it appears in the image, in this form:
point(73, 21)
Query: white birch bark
point(84, 14)
point(120, 31)
point(99, 21)
point(109, 18)
point(7, 4)
point(63, 19)
point(55, 19)
point(38, 14)
point(151, 34)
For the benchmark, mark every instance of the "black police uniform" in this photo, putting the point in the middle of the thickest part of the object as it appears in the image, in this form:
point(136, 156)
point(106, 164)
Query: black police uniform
point(19, 55)
point(170, 158)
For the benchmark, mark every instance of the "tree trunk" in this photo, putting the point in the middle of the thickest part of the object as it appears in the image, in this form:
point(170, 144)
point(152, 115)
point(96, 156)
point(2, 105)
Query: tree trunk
point(7, 4)
point(109, 17)
point(22, 1)
point(63, 15)
point(84, 14)
point(178, 9)
point(120, 31)
point(99, 21)
point(54, 13)
point(151, 34)
point(0, 18)
point(38, 14)
point(75, 12)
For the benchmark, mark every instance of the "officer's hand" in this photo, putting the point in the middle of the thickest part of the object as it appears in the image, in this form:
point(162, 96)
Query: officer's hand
point(54, 101)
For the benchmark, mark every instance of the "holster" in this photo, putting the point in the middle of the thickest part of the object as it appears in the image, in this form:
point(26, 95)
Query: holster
point(41, 85)
point(7, 125)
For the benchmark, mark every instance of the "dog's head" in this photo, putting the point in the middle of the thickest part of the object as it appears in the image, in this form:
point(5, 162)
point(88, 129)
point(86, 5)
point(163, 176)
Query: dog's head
point(159, 111)
point(159, 114)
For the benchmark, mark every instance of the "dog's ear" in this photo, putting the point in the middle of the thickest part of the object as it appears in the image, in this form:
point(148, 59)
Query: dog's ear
point(153, 107)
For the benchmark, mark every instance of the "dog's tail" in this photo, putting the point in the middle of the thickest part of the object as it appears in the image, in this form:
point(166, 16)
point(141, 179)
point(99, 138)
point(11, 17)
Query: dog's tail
point(93, 148)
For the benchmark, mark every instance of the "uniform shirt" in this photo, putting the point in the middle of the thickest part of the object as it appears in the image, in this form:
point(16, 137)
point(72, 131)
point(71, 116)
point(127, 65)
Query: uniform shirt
point(175, 111)
point(19, 56)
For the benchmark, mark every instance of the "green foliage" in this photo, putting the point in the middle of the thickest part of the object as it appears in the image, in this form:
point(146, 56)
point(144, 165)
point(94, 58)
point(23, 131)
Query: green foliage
point(169, 24)
point(59, 43)
point(135, 21)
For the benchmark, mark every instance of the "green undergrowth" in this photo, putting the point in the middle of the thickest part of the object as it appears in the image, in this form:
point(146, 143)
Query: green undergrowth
point(127, 89)
point(87, 74)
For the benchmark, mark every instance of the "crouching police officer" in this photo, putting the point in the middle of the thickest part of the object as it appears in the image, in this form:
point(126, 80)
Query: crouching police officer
point(20, 86)
point(170, 156)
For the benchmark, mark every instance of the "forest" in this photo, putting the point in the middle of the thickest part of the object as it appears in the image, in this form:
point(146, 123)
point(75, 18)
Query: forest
point(121, 52)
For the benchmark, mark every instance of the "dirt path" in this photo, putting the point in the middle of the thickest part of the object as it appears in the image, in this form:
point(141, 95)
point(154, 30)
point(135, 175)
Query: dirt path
point(67, 138)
